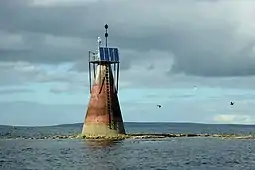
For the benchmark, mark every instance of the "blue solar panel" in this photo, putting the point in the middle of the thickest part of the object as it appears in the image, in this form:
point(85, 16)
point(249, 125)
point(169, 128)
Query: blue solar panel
point(116, 54)
point(101, 50)
point(109, 54)
point(106, 54)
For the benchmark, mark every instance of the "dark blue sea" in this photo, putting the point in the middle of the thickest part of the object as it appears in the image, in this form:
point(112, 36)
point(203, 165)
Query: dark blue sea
point(142, 154)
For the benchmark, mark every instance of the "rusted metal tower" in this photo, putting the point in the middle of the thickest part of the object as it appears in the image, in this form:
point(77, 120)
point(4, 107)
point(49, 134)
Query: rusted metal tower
point(103, 117)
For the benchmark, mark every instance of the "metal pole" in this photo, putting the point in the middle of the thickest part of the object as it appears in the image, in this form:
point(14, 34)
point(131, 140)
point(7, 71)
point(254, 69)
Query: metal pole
point(94, 70)
point(106, 34)
point(106, 39)
point(89, 74)
point(114, 72)
point(118, 67)
point(100, 74)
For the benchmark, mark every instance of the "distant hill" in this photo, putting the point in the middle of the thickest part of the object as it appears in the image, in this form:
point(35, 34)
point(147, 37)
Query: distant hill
point(139, 124)
point(69, 125)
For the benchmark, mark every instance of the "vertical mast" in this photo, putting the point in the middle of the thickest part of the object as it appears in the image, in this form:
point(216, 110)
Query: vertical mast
point(106, 34)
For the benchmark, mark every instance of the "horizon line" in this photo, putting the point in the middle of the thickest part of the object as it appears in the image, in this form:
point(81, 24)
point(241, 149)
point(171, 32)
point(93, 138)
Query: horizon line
point(140, 122)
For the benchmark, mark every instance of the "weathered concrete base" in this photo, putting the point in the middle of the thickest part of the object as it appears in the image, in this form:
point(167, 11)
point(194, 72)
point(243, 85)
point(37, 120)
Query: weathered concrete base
point(139, 136)
point(93, 129)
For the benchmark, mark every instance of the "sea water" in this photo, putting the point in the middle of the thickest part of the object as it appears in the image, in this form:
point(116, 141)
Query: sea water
point(170, 153)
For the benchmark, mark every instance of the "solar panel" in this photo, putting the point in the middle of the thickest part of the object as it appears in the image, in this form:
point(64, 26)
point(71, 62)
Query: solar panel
point(101, 50)
point(109, 54)
point(116, 54)
point(106, 54)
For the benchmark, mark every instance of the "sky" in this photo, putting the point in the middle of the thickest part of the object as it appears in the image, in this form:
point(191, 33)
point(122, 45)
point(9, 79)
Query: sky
point(191, 56)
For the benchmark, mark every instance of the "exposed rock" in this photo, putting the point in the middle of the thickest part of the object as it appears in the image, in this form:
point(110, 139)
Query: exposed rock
point(134, 136)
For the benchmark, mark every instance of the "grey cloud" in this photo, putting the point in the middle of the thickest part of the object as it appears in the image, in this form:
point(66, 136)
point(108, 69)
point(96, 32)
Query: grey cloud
point(182, 96)
point(41, 48)
point(20, 73)
point(217, 63)
point(68, 88)
point(154, 95)
point(63, 21)
point(158, 78)
point(151, 67)
point(206, 38)
point(13, 91)
point(58, 90)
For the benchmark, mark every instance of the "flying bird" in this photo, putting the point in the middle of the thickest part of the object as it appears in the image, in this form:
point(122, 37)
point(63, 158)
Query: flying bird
point(159, 106)
point(231, 103)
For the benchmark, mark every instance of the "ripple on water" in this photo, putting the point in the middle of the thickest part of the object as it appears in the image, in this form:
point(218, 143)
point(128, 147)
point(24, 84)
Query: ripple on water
point(170, 153)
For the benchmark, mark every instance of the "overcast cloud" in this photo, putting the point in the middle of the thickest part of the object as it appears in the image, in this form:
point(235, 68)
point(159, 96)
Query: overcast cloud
point(163, 44)
point(205, 38)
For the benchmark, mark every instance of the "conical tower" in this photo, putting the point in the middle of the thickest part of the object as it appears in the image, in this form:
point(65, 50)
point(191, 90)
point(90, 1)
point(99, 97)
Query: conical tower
point(103, 117)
